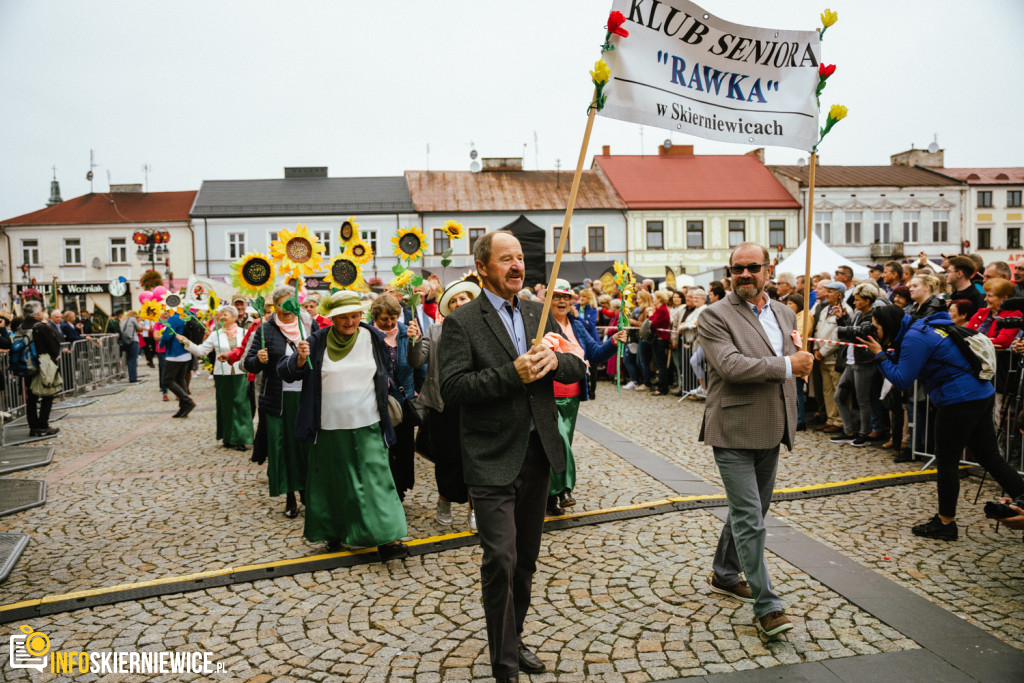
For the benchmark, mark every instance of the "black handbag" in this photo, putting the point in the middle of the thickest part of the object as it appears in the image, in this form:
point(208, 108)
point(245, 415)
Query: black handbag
point(414, 412)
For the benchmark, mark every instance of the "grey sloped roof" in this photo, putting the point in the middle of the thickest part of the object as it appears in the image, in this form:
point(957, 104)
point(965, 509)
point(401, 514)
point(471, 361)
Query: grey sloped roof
point(302, 196)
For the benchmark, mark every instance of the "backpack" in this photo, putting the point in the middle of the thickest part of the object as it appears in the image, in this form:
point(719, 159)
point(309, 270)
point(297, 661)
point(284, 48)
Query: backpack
point(23, 356)
point(194, 331)
point(977, 348)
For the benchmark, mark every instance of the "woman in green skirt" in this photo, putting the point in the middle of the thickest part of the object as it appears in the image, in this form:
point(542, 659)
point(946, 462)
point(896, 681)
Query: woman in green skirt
point(350, 493)
point(279, 402)
point(230, 380)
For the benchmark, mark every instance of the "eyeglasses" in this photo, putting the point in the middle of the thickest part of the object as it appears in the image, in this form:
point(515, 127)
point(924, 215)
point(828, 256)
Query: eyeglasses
point(753, 268)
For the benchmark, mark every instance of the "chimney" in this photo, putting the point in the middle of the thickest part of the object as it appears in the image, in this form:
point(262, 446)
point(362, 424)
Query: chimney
point(759, 153)
point(502, 164)
point(126, 188)
point(919, 157)
point(606, 150)
point(305, 172)
point(675, 151)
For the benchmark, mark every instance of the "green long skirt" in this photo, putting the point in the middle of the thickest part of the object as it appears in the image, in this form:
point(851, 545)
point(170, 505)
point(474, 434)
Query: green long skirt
point(286, 457)
point(350, 493)
point(568, 408)
point(234, 417)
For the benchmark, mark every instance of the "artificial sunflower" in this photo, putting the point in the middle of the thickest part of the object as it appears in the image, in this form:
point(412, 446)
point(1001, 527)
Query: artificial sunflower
point(455, 230)
point(297, 253)
point(345, 272)
point(401, 280)
point(349, 229)
point(253, 275)
point(359, 250)
point(151, 310)
point(410, 243)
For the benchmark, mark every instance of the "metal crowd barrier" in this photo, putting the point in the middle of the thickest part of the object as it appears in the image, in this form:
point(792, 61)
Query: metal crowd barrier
point(84, 365)
point(1009, 383)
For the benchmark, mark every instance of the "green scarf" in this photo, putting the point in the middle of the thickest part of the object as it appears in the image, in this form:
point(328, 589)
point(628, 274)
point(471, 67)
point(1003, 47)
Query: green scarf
point(338, 346)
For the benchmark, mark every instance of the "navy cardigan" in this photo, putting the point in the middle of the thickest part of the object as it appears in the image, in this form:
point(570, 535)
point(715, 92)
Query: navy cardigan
point(307, 424)
point(592, 351)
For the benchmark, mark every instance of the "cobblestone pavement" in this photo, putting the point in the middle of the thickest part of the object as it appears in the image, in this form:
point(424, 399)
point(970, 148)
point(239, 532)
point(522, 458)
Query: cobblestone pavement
point(618, 601)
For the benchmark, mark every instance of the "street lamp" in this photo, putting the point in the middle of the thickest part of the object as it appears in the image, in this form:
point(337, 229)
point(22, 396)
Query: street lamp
point(151, 242)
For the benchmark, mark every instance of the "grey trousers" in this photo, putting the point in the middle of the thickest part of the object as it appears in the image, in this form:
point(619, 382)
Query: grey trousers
point(856, 380)
point(509, 521)
point(749, 477)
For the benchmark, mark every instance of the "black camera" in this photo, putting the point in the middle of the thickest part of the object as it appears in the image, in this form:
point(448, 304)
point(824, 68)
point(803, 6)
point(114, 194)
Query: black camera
point(1015, 323)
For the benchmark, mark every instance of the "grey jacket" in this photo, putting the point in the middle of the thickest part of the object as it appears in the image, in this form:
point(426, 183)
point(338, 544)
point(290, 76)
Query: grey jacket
point(425, 350)
point(750, 403)
point(478, 375)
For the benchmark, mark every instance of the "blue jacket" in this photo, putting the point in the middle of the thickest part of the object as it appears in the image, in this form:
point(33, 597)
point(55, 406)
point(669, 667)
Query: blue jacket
point(403, 371)
point(172, 326)
point(307, 423)
point(588, 315)
point(593, 351)
point(925, 353)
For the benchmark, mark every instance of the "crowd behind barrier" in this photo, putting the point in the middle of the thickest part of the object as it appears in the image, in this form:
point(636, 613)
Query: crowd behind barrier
point(84, 365)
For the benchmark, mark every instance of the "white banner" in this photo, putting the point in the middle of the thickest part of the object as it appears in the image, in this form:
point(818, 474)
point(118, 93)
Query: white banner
point(198, 289)
point(683, 69)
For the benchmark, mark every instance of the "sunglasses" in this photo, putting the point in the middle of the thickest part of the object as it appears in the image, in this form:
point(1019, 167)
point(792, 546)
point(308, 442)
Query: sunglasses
point(752, 268)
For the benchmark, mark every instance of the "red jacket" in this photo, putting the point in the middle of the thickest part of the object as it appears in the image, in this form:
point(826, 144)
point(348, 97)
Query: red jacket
point(1002, 337)
point(235, 354)
point(661, 322)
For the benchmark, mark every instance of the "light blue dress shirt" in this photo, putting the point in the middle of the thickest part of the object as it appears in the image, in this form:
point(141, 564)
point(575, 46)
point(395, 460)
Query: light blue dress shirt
point(771, 327)
point(512, 318)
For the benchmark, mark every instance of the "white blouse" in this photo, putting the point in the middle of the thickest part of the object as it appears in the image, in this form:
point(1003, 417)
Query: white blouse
point(348, 397)
point(220, 342)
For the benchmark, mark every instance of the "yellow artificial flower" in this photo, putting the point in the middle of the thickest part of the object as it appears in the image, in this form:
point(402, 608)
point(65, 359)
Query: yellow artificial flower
point(349, 229)
point(455, 230)
point(601, 72)
point(359, 250)
point(837, 112)
point(297, 253)
point(344, 272)
point(401, 280)
point(410, 243)
point(252, 275)
point(151, 310)
point(828, 17)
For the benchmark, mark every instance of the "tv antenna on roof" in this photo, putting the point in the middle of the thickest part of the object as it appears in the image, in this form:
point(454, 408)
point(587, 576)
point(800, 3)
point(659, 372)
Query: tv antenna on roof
point(146, 168)
point(92, 165)
point(934, 146)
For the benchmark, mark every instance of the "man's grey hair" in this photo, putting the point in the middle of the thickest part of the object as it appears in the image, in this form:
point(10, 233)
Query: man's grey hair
point(56, 313)
point(482, 247)
point(788, 278)
point(31, 309)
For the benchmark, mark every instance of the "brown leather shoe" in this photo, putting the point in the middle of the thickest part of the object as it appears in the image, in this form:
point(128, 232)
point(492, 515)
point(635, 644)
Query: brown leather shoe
point(831, 429)
point(773, 623)
point(739, 590)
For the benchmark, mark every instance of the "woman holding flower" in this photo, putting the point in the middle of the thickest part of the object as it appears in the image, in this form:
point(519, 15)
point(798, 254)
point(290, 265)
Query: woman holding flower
point(385, 313)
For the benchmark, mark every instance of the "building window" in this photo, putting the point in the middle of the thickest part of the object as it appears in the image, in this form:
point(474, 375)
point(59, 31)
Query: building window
point(72, 251)
point(236, 245)
point(823, 226)
point(910, 221)
point(940, 226)
point(984, 199)
point(595, 238)
point(853, 219)
point(325, 239)
point(737, 233)
point(1012, 198)
point(119, 250)
point(1013, 238)
point(30, 252)
point(777, 234)
point(656, 235)
point(271, 236)
point(121, 303)
point(474, 235)
point(694, 234)
point(371, 237)
point(984, 238)
point(556, 233)
point(441, 242)
point(883, 221)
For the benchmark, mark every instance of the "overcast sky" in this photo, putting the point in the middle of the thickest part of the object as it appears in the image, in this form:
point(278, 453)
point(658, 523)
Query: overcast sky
point(230, 89)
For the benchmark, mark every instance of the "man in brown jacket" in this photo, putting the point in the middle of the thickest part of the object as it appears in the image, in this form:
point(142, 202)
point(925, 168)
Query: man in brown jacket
point(751, 409)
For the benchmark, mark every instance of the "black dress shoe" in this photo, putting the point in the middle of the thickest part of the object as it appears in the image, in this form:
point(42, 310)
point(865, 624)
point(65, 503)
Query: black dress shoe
point(508, 679)
point(529, 662)
point(565, 499)
point(392, 551)
point(186, 410)
point(333, 546)
point(553, 510)
point(291, 512)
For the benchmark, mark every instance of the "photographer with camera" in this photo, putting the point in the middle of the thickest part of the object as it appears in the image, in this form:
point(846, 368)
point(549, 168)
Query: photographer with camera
point(923, 351)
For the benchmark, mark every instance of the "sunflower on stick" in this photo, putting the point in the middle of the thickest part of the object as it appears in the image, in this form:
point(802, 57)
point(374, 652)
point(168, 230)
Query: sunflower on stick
point(253, 276)
point(410, 245)
point(625, 281)
point(297, 254)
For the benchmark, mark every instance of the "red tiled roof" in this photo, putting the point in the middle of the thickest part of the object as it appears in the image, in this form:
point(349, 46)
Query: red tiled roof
point(986, 176)
point(695, 182)
point(868, 176)
point(117, 207)
point(440, 191)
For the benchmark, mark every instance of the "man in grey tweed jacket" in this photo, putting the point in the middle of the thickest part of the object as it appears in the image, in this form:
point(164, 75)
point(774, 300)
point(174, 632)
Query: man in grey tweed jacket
point(751, 410)
point(510, 439)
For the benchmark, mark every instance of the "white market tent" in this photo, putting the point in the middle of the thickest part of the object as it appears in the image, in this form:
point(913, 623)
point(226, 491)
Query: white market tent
point(822, 259)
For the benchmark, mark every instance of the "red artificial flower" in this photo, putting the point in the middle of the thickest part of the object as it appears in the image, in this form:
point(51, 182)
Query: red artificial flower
point(615, 22)
point(826, 70)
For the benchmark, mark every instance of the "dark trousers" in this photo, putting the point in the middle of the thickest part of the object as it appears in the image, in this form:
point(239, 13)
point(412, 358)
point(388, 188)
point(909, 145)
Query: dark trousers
point(660, 349)
point(509, 520)
point(969, 424)
point(132, 361)
point(175, 378)
point(401, 458)
point(37, 410)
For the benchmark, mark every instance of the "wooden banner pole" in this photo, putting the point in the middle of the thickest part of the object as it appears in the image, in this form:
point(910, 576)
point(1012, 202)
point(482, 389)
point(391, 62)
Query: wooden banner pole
point(806, 331)
point(541, 328)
